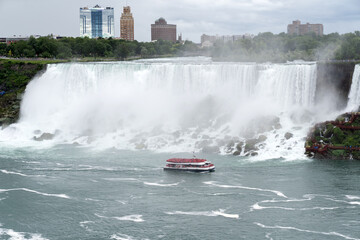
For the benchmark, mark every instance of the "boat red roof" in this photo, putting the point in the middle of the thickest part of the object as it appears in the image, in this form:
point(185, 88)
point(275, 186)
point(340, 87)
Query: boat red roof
point(185, 160)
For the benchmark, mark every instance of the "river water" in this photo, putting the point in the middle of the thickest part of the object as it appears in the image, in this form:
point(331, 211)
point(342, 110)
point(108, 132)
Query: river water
point(111, 126)
point(69, 192)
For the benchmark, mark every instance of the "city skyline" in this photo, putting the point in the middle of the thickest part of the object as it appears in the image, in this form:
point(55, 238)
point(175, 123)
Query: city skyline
point(193, 18)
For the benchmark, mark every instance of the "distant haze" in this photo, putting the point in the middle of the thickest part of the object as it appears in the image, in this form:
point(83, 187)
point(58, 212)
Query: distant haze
point(193, 17)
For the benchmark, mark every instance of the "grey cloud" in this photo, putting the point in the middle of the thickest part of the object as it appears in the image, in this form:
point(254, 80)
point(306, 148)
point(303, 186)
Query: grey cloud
point(193, 17)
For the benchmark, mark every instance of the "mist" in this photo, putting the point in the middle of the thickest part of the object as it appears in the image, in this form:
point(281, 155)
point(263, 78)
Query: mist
point(185, 105)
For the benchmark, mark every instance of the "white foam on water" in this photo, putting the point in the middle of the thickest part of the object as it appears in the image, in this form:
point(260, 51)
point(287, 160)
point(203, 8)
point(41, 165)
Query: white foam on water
point(13, 235)
point(222, 213)
point(307, 197)
point(133, 218)
point(280, 194)
point(352, 197)
point(122, 179)
point(256, 206)
point(162, 184)
point(216, 213)
point(268, 236)
point(36, 192)
point(307, 231)
point(100, 168)
point(84, 225)
point(120, 236)
point(14, 173)
point(343, 201)
point(92, 199)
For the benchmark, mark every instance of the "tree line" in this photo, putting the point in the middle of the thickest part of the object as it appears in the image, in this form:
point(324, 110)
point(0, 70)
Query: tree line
point(68, 47)
point(283, 47)
point(263, 47)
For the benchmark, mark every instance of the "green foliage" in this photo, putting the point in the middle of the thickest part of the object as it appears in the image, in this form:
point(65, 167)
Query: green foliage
point(263, 47)
point(352, 139)
point(339, 136)
point(3, 49)
point(329, 130)
point(350, 47)
point(65, 48)
point(282, 47)
point(15, 75)
point(121, 51)
point(338, 153)
point(317, 132)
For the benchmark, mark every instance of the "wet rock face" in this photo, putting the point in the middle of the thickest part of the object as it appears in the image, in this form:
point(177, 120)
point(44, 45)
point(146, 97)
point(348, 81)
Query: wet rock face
point(236, 153)
point(250, 146)
point(336, 79)
point(263, 124)
point(288, 135)
point(5, 121)
point(45, 136)
point(14, 78)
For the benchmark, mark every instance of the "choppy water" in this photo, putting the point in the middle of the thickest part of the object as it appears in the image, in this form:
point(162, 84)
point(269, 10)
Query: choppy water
point(69, 192)
point(91, 181)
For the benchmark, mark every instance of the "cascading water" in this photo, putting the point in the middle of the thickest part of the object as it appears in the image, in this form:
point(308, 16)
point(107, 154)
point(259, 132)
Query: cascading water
point(354, 95)
point(176, 105)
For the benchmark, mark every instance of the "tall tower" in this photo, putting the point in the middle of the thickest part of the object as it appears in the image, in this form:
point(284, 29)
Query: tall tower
point(127, 25)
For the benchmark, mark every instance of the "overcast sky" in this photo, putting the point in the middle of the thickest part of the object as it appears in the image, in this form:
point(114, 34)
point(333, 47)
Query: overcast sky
point(193, 17)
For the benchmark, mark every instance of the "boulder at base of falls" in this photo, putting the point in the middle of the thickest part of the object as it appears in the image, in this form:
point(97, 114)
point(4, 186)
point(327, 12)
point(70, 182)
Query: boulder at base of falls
point(338, 139)
point(5, 122)
point(44, 136)
point(288, 135)
point(236, 153)
point(251, 145)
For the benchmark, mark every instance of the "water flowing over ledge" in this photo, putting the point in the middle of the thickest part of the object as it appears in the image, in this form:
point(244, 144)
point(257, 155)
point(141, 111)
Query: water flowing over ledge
point(354, 95)
point(173, 106)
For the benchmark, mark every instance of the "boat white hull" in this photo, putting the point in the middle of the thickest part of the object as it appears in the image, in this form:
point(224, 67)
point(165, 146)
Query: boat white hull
point(191, 169)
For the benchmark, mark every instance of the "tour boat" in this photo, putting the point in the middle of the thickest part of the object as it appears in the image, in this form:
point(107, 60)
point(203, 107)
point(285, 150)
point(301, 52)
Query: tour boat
point(189, 164)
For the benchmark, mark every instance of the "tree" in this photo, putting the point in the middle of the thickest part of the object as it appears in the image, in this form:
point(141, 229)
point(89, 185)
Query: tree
point(121, 51)
point(144, 52)
point(3, 49)
point(63, 51)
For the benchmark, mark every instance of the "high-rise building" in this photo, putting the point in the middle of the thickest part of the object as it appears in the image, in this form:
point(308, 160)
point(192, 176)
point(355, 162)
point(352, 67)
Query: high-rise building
point(97, 22)
point(296, 28)
point(127, 25)
point(162, 30)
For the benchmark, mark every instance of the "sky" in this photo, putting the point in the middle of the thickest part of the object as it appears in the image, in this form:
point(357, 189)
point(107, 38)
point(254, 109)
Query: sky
point(192, 17)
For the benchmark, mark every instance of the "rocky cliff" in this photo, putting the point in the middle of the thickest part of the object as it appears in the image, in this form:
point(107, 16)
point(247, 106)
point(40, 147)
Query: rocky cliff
point(14, 76)
point(339, 139)
point(333, 82)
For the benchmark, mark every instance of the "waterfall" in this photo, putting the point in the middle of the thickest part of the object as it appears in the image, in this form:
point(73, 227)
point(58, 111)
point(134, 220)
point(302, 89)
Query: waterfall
point(162, 105)
point(354, 94)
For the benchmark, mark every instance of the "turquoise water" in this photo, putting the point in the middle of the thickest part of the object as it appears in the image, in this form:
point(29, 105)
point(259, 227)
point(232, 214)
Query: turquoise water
point(69, 192)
